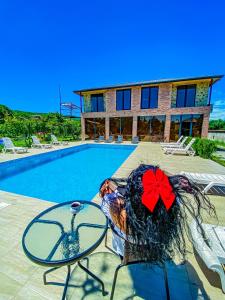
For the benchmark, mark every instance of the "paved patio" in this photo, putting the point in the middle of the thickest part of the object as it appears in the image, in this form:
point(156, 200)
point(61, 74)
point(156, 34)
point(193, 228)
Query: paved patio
point(21, 279)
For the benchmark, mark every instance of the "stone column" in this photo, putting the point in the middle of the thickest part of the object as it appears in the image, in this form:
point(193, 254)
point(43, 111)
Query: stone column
point(107, 127)
point(134, 129)
point(167, 128)
point(82, 128)
point(205, 125)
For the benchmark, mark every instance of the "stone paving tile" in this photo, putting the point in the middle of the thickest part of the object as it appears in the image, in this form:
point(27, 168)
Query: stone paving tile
point(21, 279)
point(27, 293)
point(9, 287)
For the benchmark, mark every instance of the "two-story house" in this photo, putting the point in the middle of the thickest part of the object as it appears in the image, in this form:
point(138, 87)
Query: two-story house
point(157, 110)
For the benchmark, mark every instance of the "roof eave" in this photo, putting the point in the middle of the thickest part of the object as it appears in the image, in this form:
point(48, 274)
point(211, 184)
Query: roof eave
point(214, 78)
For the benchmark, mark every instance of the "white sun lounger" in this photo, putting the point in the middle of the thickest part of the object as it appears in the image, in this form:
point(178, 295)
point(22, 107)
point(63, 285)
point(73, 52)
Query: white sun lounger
point(9, 146)
point(37, 144)
point(173, 143)
point(213, 253)
point(210, 180)
point(55, 141)
point(186, 150)
point(180, 145)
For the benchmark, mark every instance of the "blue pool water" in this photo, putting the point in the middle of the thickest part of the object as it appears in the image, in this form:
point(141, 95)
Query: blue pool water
point(73, 175)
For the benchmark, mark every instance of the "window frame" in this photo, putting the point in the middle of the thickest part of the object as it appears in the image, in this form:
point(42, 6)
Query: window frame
point(97, 96)
point(181, 118)
point(185, 87)
point(149, 97)
point(123, 106)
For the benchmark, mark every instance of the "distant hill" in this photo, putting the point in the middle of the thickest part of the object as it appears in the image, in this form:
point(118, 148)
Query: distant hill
point(26, 114)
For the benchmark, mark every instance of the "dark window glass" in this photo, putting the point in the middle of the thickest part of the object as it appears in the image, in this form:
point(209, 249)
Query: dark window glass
point(119, 100)
point(186, 95)
point(190, 96)
point(126, 128)
point(187, 125)
point(94, 103)
point(97, 103)
point(94, 127)
point(175, 128)
point(149, 97)
point(181, 96)
point(151, 128)
point(154, 97)
point(101, 103)
point(123, 100)
point(145, 98)
point(126, 99)
point(121, 126)
point(197, 125)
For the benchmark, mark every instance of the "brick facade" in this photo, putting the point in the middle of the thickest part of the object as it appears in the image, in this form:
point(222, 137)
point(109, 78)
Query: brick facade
point(166, 96)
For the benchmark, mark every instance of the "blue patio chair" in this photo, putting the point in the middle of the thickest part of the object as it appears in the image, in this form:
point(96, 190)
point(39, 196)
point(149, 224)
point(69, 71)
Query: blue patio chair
point(110, 139)
point(100, 139)
point(119, 139)
point(135, 140)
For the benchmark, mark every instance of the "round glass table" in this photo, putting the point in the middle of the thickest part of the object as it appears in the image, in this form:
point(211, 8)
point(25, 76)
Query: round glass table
point(57, 237)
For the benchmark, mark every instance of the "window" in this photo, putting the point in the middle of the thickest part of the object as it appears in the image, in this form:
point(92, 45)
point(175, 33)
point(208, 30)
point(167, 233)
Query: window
point(186, 96)
point(175, 128)
point(197, 125)
point(187, 125)
point(151, 128)
point(94, 127)
point(121, 126)
point(123, 99)
point(97, 103)
point(149, 97)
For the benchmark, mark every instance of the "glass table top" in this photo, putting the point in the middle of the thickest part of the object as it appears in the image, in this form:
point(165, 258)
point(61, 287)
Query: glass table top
point(58, 236)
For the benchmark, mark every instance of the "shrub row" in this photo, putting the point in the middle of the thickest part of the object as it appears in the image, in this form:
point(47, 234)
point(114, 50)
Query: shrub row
point(204, 147)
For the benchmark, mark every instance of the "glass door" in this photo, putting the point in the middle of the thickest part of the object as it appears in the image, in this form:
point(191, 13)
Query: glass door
point(186, 125)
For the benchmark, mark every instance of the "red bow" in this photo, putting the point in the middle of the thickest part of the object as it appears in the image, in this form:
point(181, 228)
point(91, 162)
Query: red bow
point(156, 184)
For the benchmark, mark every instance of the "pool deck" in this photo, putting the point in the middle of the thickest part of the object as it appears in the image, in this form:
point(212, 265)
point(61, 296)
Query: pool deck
point(21, 279)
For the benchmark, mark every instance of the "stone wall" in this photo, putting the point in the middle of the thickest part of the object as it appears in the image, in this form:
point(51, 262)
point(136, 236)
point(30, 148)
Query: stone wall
point(87, 102)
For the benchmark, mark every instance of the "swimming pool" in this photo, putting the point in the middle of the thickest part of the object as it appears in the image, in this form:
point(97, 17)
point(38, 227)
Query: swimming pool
point(63, 175)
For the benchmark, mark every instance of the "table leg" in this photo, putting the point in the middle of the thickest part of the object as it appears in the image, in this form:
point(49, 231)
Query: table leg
point(104, 292)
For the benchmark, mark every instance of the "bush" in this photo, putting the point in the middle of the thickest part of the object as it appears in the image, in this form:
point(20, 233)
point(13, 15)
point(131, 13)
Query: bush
point(21, 125)
point(204, 147)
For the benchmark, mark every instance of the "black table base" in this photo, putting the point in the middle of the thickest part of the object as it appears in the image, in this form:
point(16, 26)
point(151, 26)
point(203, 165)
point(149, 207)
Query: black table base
point(66, 284)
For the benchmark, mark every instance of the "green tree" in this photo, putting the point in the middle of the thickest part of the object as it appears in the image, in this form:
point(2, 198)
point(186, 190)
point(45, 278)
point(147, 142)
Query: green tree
point(5, 113)
point(217, 124)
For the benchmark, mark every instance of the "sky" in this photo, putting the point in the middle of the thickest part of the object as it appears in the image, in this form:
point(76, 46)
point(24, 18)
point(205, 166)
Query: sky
point(81, 44)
